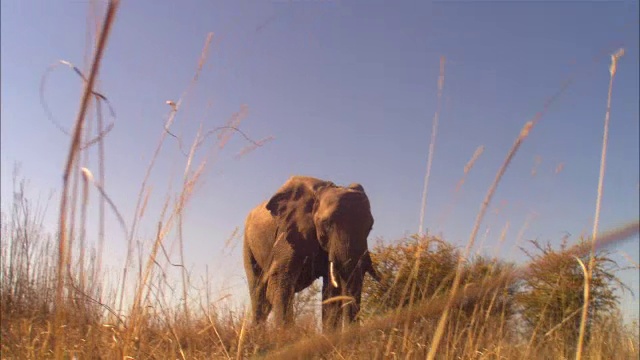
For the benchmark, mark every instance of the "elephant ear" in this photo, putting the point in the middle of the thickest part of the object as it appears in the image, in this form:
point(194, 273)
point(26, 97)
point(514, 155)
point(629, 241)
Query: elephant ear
point(356, 186)
point(295, 194)
point(277, 205)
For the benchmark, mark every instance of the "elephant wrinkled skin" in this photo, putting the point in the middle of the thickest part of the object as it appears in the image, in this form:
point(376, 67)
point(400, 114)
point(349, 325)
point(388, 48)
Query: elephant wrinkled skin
point(310, 228)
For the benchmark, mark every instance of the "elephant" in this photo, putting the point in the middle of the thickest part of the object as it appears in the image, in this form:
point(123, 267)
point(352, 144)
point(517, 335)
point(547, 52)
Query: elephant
point(310, 228)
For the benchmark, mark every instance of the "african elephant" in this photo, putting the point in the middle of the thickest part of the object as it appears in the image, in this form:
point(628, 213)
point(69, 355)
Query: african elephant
point(310, 228)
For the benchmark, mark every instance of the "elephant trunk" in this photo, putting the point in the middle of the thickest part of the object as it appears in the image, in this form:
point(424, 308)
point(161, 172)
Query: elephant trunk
point(368, 267)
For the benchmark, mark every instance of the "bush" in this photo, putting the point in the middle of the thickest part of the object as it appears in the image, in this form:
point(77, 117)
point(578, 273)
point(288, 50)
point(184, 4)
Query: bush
point(551, 296)
point(414, 269)
point(421, 268)
point(419, 271)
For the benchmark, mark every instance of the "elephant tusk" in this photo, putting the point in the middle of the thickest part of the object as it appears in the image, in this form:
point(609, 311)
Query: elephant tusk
point(332, 275)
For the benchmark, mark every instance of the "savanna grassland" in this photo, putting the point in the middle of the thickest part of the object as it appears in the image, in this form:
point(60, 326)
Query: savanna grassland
point(434, 300)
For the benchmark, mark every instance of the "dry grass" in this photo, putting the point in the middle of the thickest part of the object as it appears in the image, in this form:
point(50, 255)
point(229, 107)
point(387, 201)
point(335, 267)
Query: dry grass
point(588, 271)
point(432, 145)
point(434, 301)
point(481, 325)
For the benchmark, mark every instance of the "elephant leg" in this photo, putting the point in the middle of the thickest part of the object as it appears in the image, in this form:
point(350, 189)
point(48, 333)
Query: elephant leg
point(331, 311)
point(280, 294)
point(260, 303)
point(257, 289)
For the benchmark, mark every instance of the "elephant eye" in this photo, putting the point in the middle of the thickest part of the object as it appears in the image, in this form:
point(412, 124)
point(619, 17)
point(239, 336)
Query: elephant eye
point(327, 224)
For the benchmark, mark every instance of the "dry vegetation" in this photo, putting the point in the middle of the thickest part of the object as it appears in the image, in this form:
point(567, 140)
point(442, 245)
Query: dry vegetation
point(502, 311)
point(56, 303)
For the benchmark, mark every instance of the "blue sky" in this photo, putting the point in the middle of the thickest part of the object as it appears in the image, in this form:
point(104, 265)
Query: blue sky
point(348, 91)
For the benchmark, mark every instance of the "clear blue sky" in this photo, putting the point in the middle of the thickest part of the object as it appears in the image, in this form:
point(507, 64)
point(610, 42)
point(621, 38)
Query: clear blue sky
point(348, 91)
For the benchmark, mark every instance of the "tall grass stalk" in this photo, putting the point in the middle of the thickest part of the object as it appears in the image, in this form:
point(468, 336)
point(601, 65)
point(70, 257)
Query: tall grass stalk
point(138, 214)
point(524, 133)
point(456, 192)
point(93, 22)
point(71, 159)
point(101, 200)
point(596, 219)
point(432, 144)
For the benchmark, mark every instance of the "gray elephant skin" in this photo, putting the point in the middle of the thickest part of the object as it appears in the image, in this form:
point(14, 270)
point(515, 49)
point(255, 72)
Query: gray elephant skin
point(310, 228)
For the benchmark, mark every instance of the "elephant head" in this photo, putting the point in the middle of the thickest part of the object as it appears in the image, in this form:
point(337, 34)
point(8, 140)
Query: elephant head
point(337, 220)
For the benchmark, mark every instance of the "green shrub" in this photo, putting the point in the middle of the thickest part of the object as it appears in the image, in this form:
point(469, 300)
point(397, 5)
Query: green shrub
point(551, 295)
